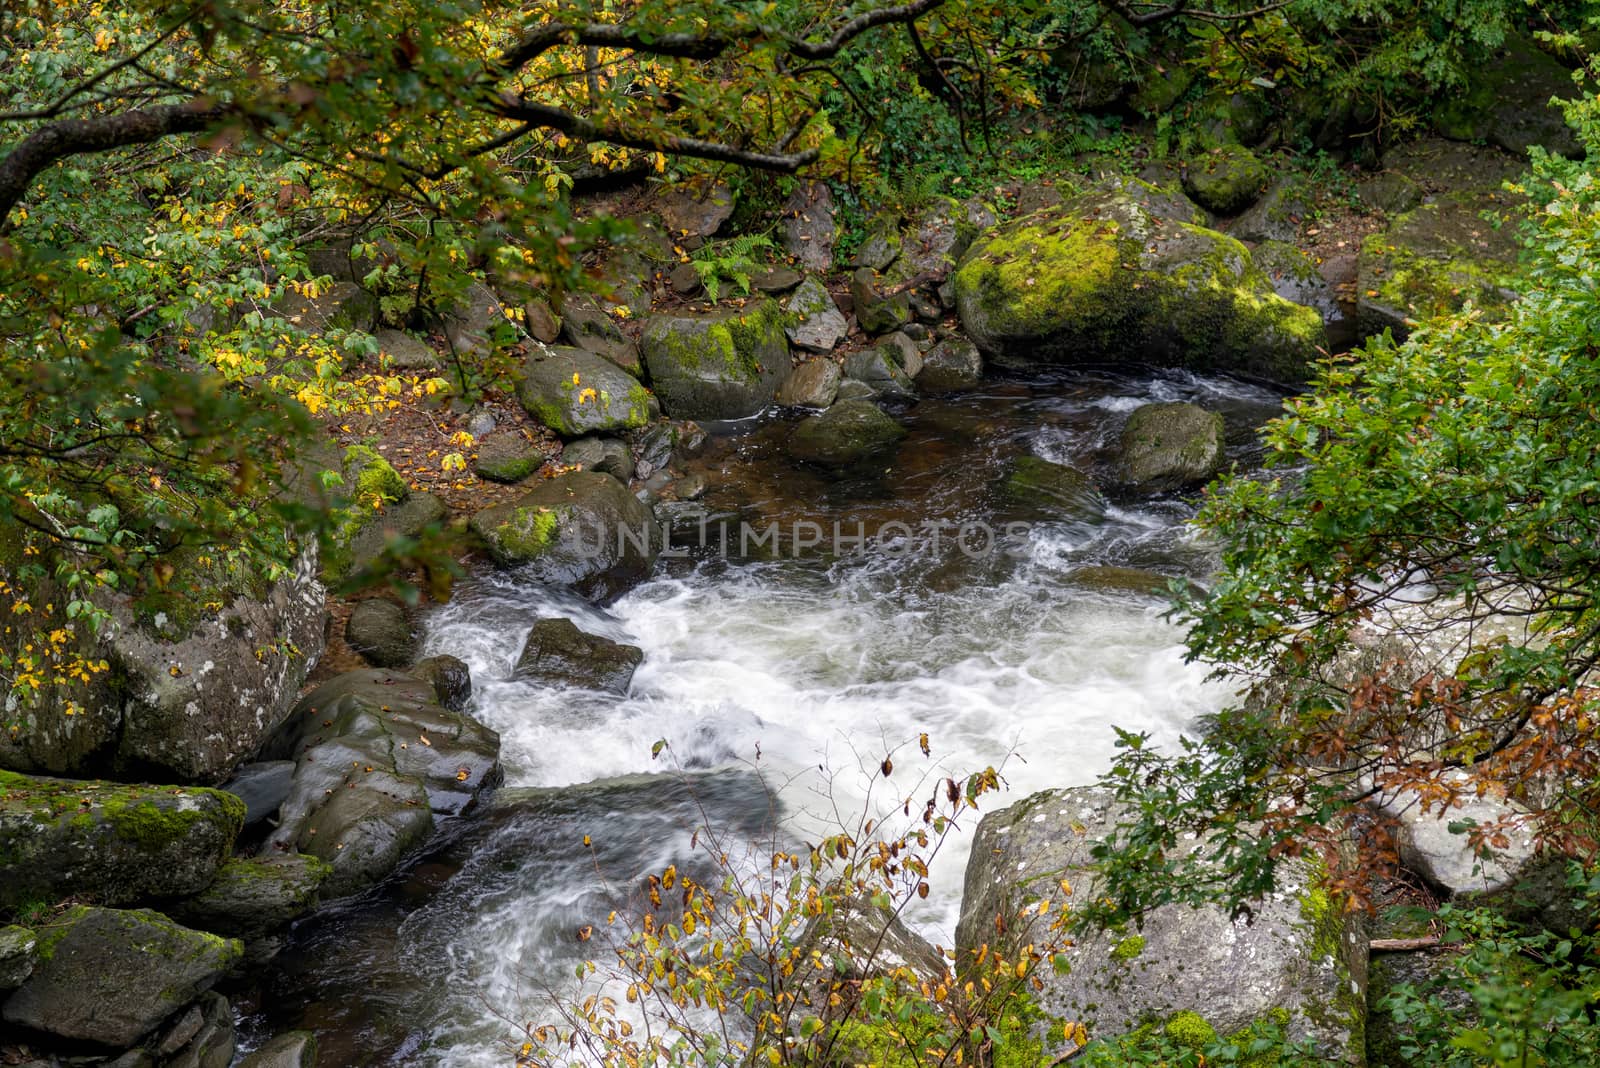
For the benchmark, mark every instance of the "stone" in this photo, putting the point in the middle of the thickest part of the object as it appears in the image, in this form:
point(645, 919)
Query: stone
point(880, 368)
point(903, 349)
point(539, 318)
point(402, 352)
point(813, 384)
point(262, 786)
point(776, 280)
point(409, 518)
point(1445, 859)
point(381, 633)
point(213, 1043)
point(296, 1049)
point(1054, 489)
point(582, 529)
point(1294, 955)
point(339, 306)
point(1438, 974)
point(377, 758)
point(1507, 102)
point(557, 653)
point(111, 977)
point(19, 952)
point(817, 324)
point(1294, 276)
point(847, 433)
point(1390, 192)
point(255, 896)
point(723, 365)
point(586, 325)
point(1231, 119)
point(607, 455)
point(479, 325)
point(951, 365)
point(574, 392)
point(450, 677)
point(481, 423)
point(881, 247)
point(851, 390)
point(877, 312)
point(110, 843)
point(809, 230)
point(699, 214)
point(1277, 216)
point(1170, 446)
point(1113, 276)
point(1452, 168)
point(1225, 180)
point(685, 280)
point(507, 456)
point(856, 942)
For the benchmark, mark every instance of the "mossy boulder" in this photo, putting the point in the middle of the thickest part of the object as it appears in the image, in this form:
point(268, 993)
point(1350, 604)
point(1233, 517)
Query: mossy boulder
point(506, 456)
point(725, 365)
point(1225, 180)
point(575, 392)
point(409, 518)
point(19, 952)
point(110, 843)
point(557, 653)
point(1435, 259)
point(377, 759)
point(1507, 102)
point(1294, 276)
point(1170, 446)
point(1104, 278)
point(879, 307)
point(951, 365)
point(381, 633)
point(254, 896)
point(816, 323)
point(1042, 487)
point(881, 368)
point(1278, 215)
point(1295, 957)
point(845, 434)
point(110, 977)
point(582, 529)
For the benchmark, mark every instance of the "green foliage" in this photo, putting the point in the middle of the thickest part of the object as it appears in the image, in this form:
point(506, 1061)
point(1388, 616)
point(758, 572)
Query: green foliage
point(1187, 1040)
point(735, 261)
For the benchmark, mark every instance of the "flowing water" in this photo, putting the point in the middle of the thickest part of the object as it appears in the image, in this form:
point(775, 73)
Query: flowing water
point(775, 679)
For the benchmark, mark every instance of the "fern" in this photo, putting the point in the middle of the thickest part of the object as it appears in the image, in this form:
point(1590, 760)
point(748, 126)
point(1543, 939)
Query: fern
point(732, 260)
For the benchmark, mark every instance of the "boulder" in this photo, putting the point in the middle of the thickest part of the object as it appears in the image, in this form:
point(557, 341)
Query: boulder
point(402, 352)
point(808, 227)
point(575, 392)
point(696, 214)
point(1277, 216)
point(936, 237)
point(600, 454)
point(336, 306)
point(878, 310)
point(852, 390)
point(1390, 192)
point(817, 323)
point(262, 786)
point(450, 677)
point(559, 654)
point(381, 633)
point(396, 522)
point(1293, 955)
point(1111, 276)
point(204, 1038)
point(1050, 488)
point(479, 324)
point(256, 896)
point(724, 365)
point(539, 318)
point(1450, 167)
point(19, 952)
point(775, 281)
point(1429, 848)
point(1294, 276)
point(377, 758)
point(111, 977)
point(506, 456)
point(582, 529)
point(296, 1049)
point(953, 364)
point(813, 384)
point(1170, 446)
point(880, 368)
point(1507, 102)
point(586, 325)
point(668, 442)
point(110, 843)
point(1225, 180)
point(848, 432)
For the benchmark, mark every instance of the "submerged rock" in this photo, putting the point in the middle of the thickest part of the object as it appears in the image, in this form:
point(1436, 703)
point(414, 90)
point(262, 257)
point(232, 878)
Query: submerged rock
point(951, 365)
point(575, 392)
point(1170, 446)
point(1105, 277)
point(848, 432)
point(110, 843)
point(725, 365)
point(296, 1049)
point(1295, 956)
point(1039, 484)
point(582, 529)
point(558, 653)
point(111, 977)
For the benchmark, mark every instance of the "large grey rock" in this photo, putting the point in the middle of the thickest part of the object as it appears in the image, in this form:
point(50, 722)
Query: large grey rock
point(575, 392)
point(953, 364)
point(582, 529)
point(696, 213)
point(880, 368)
point(586, 325)
point(725, 365)
point(213, 1043)
point(262, 786)
point(558, 653)
point(19, 952)
point(377, 758)
point(110, 843)
point(1294, 276)
point(296, 1049)
point(846, 433)
point(402, 352)
point(479, 325)
point(818, 325)
point(813, 384)
point(506, 456)
point(879, 308)
point(808, 226)
point(1170, 446)
point(1293, 952)
point(1277, 216)
point(1507, 102)
point(607, 455)
point(1113, 275)
point(1225, 180)
point(1429, 848)
point(379, 630)
point(111, 977)
point(251, 897)
point(398, 521)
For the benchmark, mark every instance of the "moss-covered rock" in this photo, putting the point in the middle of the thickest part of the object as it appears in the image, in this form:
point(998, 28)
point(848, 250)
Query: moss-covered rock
point(110, 843)
point(1225, 180)
point(1170, 446)
point(506, 456)
point(252, 897)
point(725, 365)
point(1106, 278)
point(111, 977)
point(1507, 102)
point(557, 653)
point(845, 434)
point(815, 322)
point(1046, 488)
point(878, 307)
point(19, 952)
point(1278, 215)
point(582, 529)
point(575, 392)
point(1294, 276)
point(880, 368)
point(953, 364)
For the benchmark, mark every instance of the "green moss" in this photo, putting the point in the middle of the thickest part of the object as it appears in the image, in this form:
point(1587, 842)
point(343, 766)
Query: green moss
point(1128, 948)
point(154, 828)
point(1225, 180)
point(1324, 927)
point(1057, 275)
point(1190, 1030)
point(527, 532)
point(373, 477)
